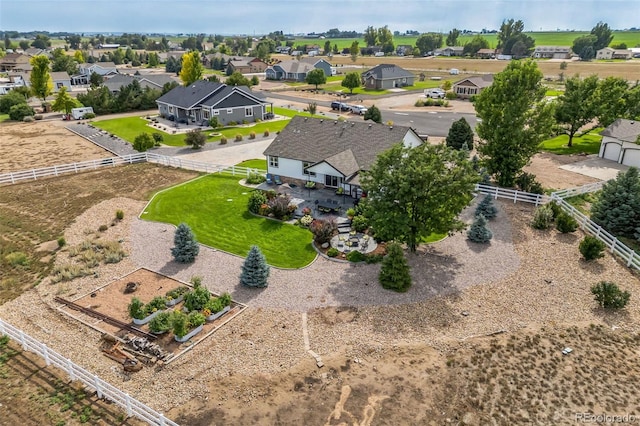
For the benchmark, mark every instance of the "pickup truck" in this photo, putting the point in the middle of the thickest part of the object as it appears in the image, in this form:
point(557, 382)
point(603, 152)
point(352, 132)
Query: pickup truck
point(435, 93)
point(358, 109)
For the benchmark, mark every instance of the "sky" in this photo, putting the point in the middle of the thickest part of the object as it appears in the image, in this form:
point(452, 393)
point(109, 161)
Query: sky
point(303, 16)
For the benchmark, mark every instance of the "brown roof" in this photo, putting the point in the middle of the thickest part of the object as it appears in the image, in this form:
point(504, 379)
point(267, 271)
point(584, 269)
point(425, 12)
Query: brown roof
point(624, 130)
point(347, 146)
point(481, 81)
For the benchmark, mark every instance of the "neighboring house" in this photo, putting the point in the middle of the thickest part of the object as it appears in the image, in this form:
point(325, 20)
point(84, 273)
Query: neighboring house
point(609, 53)
point(107, 46)
point(332, 153)
point(308, 48)
point(34, 51)
point(471, 86)
point(620, 142)
point(296, 70)
point(404, 49)
point(387, 76)
point(104, 69)
point(204, 99)
point(246, 65)
point(208, 59)
point(60, 79)
point(450, 51)
point(12, 81)
point(552, 52)
point(486, 54)
point(14, 61)
point(283, 49)
point(153, 81)
point(370, 50)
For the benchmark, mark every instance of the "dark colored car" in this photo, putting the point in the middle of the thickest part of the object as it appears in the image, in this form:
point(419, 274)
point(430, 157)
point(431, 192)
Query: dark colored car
point(339, 106)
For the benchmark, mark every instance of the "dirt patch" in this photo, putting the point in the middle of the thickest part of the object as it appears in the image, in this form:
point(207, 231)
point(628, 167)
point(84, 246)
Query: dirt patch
point(546, 167)
point(25, 146)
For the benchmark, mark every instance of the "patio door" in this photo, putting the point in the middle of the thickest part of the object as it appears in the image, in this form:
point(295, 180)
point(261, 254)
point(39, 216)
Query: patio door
point(332, 181)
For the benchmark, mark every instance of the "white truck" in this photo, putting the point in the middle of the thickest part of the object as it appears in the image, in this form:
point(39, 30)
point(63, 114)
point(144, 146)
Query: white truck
point(435, 93)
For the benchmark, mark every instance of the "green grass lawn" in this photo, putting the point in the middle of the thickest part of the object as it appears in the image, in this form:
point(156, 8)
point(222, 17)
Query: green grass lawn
point(588, 143)
point(254, 164)
point(553, 92)
point(215, 207)
point(427, 84)
point(433, 238)
point(4, 117)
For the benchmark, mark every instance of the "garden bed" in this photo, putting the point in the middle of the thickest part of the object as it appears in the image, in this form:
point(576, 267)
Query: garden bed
point(111, 300)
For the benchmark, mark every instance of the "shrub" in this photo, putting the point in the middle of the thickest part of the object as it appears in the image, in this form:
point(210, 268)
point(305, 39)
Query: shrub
point(195, 319)
point(351, 212)
point(591, 248)
point(196, 300)
point(136, 309)
point(213, 122)
point(232, 123)
point(37, 117)
point(486, 208)
point(119, 214)
point(323, 230)
point(556, 209)
point(157, 138)
point(333, 252)
point(223, 140)
point(566, 223)
point(179, 323)
point(542, 217)
point(394, 273)
point(280, 206)
point(255, 270)
point(17, 258)
point(527, 182)
point(10, 99)
point(306, 220)
point(608, 295)
point(186, 247)
point(252, 135)
point(360, 223)
point(355, 256)
point(103, 228)
point(89, 116)
point(143, 142)
point(479, 233)
point(158, 303)
point(245, 122)
point(266, 133)
point(20, 111)
point(373, 258)
point(238, 137)
point(196, 139)
point(61, 242)
point(161, 322)
point(256, 199)
point(451, 95)
point(255, 178)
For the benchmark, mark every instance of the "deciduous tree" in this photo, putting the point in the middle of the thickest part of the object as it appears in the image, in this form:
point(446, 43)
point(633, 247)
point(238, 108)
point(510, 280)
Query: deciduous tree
point(429, 42)
point(192, 69)
point(370, 36)
point(611, 98)
point(414, 192)
point(452, 37)
point(603, 35)
point(237, 79)
point(351, 81)
point(64, 102)
point(577, 106)
point(515, 119)
point(584, 47)
point(373, 114)
point(195, 138)
point(316, 77)
point(354, 50)
point(41, 83)
point(477, 42)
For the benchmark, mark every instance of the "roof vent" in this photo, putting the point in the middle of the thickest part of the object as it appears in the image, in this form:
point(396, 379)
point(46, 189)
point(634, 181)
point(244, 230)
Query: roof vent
point(305, 119)
point(353, 124)
point(390, 127)
point(322, 120)
point(335, 122)
point(369, 125)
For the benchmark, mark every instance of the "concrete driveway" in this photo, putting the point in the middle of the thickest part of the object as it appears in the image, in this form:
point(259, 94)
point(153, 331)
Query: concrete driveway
point(596, 167)
point(230, 155)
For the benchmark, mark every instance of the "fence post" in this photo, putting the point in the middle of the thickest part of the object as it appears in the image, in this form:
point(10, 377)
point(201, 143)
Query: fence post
point(515, 197)
point(13, 180)
point(127, 400)
point(72, 376)
point(537, 200)
point(75, 167)
point(496, 191)
point(45, 354)
point(55, 170)
point(22, 341)
point(33, 172)
point(613, 244)
point(630, 260)
point(161, 419)
point(96, 384)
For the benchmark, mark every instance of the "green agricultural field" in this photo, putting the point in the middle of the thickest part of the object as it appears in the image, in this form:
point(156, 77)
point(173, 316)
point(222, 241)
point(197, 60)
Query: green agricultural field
point(588, 143)
point(215, 207)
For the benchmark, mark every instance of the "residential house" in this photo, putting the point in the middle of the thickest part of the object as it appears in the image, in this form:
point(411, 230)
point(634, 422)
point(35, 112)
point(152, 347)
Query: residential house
point(200, 101)
point(404, 49)
point(620, 142)
point(450, 51)
point(609, 53)
point(13, 81)
point(332, 153)
point(486, 54)
point(370, 50)
point(387, 76)
point(246, 65)
point(108, 46)
point(34, 51)
point(207, 60)
point(105, 69)
point(153, 81)
point(176, 54)
point(14, 62)
point(283, 49)
point(60, 79)
point(552, 52)
point(296, 70)
point(471, 86)
point(308, 48)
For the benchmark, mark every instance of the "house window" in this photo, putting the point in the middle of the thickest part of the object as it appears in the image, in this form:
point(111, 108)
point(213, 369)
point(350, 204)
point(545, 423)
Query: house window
point(205, 114)
point(273, 161)
point(332, 181)
point(305, 171)
point(229, 111)
point(170, 109)
point(216, 112)
point(248, 112)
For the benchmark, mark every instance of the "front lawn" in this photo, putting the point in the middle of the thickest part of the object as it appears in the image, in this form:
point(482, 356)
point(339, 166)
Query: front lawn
point(215, 207)
point(588, 143)
point(254, 164)
point(128, 128)
point(4, 117)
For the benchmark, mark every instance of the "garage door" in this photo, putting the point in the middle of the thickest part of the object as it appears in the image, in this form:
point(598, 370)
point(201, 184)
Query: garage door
point(631, 157)
point(612, 151)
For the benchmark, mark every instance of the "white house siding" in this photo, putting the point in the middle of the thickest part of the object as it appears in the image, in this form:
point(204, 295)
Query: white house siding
point(287, 167)
point(411, 140)
point(631, 155)
point(610, 149)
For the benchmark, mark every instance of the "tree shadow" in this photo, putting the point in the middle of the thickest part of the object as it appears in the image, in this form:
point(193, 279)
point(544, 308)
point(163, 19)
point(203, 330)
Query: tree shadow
point(244, 294)
point(592, 266)
point(612, 317)
point(568, 238)
point(478, 247)
point(172, 268)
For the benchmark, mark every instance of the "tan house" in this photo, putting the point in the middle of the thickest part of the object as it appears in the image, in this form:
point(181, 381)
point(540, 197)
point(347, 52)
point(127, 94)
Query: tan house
point(486, 53)
point(609, 53)
point(472, 86)
point(246, 65)
point(14, 61)
point(552, 52)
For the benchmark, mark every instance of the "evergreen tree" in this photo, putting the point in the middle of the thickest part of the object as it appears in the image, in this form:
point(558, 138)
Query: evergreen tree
point(479, 233)
point(373, 114)
point(459, 134)
point(255, 270)
point(486, 208)
point(186, 247)
point(618, 207)
point(394, 273)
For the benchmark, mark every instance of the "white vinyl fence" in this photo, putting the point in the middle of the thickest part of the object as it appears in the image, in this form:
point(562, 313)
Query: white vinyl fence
point(34, 174)
point(131, 406)
point(514, 195)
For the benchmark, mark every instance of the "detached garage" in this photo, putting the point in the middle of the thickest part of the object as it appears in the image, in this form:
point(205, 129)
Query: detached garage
point(621, 142)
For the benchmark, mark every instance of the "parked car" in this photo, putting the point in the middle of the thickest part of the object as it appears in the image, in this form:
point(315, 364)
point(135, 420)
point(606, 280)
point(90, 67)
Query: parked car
point(435, 93)
point(454, 71)
point(378, 54)
point(339, 106)
point(358, 109)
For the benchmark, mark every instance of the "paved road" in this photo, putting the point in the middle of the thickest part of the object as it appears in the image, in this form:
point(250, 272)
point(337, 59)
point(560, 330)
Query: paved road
point(424, 122)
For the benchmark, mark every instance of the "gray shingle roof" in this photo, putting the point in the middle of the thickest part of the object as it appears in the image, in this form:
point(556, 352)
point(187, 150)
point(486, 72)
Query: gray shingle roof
point(231, 97)
point(481, 81)
point(624, 130)
point(295, 66)
point(386, 71)
point(314, 140)
point(187, 97)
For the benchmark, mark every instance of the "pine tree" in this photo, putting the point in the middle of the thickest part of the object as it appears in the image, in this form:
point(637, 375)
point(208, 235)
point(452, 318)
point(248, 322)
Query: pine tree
point(255, 270)
point(618, 207)
point(394, 274)
point(186, 246)
point(486, 208)
point(459, 134)
point(479, 233)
